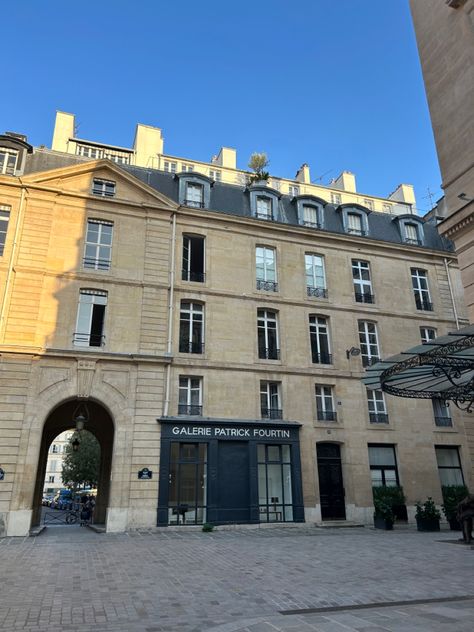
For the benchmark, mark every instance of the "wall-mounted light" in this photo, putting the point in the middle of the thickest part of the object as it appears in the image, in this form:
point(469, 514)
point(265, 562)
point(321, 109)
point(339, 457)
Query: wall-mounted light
point(353, 351)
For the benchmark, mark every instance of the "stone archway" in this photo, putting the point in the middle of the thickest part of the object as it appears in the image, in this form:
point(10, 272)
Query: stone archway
point(101, 425)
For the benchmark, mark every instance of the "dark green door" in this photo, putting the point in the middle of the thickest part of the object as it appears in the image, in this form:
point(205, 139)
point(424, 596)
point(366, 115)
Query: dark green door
point(233, 497)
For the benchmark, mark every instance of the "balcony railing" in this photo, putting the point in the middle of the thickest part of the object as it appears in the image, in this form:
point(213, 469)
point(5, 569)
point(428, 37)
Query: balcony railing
point(271, 353)
point(317, 292)
point(96, 264)
point(88, 339)
point(305, 222)
point(190, 409)
point(271, 413)
point(413, 242)
point(189, 275)
point(191, 347)
point(424, 305)
point(321, 358)
point(267, 216)
point(362, 297)
point(356, 231)
point(194, 203)
point(444, 422)
point(369, 360)
point(268, 286)
point(327, 415)
point(378, 418)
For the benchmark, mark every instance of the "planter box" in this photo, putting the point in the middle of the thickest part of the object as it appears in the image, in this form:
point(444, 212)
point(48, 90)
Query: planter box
point(381, 523)
point(427, 524)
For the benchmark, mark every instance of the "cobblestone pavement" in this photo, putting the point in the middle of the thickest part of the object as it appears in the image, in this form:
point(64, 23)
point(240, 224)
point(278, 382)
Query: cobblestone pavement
point(70, 579)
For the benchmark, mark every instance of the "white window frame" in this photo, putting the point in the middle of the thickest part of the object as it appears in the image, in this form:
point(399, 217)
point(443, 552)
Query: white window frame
point(325, 410)
point(103, 188)
point(85, 313)
point(188, 389)
point(187, 167)
point(215, 174)
point(170, 166)
point(319, 333)
point(363, 290)
point(5, 211)
point(194, 194)
point(441, 413)
point(377, 406)
point(267, 321)
point(369, 204)
point(271, 391)
point(419, 277)
point(264, 207)
point(336, 198)
point(10, 161)
point(293, 190)
point(266, 268)
point(369, 338)
point(354, 227)
point(188, 250)
point(193, 315)
point(315, 282)
point(427, 334)
point(98, 262)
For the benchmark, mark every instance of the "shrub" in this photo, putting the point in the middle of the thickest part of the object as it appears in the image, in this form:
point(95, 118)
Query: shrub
point(207, 527)
point(452, 496)
point(427, 510)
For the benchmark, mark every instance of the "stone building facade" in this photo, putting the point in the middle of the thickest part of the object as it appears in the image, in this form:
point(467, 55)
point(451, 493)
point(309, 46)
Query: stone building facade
point(213, 337)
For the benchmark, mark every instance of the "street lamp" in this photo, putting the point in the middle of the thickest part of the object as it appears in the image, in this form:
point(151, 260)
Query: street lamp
point(75, 444)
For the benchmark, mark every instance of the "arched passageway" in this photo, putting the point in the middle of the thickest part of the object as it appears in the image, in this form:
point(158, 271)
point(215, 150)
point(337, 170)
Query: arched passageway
point(100, 424)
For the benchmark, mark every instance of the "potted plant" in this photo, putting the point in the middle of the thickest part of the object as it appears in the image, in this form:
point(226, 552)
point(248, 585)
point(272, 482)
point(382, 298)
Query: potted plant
point(452, 496)
point(258, 162)
point(384, 500)
point(427, 516)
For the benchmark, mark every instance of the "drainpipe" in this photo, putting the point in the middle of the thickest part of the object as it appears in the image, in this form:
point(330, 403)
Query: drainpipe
point(446, 265)
point(169, 344)
point(11, 263)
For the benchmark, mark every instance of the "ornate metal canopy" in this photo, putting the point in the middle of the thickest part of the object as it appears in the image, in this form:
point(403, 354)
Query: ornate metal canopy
point(442, 368)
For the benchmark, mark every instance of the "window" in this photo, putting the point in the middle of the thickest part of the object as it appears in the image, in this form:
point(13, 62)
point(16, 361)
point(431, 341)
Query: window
point(190, 396)
point(383, 465)
point(319, 337)
point(215, 174)
point(411, 234)
point(427, 334)
point(186, 167)
point(335, 198)
point(354, 224)
point(387, 208)
point(377, 408)
point(267, 327)
point(187, 483)
point(270, 405)
point(449, 465)
point(325, 403)
point(293, 190)
point(105, 188)
point(98, 250)
point(90, 319)
point(362, 282)
point(170, 166)
point(441, 412)
point(50, 479)
point(4, 219)
point(191, 328)
point(194, 195)
point(88, 151)
point(420, 289)
point(310, 216)
point(54, 448)
point(369, 204)
point(193, 259)
point(274, 483)
point(52, 466)
point(265, 265)
point(369, 344)
point(264, 207)
point(8, 160)
point(315, 276)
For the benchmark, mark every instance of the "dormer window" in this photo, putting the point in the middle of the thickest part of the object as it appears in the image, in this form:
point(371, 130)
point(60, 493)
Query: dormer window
point(310, 211)
point(105, 188)
point(354, 223)
point(194, 189)
point(8, 161)
point(411, 229)
point(264, 207)
point(411, 234)
point(263, 201)
point(355, 219)
point(194, 195)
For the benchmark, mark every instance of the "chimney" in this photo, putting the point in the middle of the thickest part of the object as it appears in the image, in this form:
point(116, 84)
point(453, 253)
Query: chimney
point(302, 175)
point(63, 131)
point(227, 157)
point(345, 182)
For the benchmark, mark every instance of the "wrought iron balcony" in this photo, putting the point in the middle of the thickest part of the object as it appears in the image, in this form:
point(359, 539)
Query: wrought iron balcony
point(369, 360)
point(424, 305)
point(270, 353)
point(88, 339)
point(194, 203)
point(271, 413)
point(317, 292)
point(191, 347)
point(327, 415)
point(267, 216)
point(190, 409)
point(444, 422)
point(96, 264)
point(378, 418)
point(362, 297)
point(268, 286)
point(321, 358)
point(356, 231)
point(309, 224)
point(196, 277)
point(413, 242)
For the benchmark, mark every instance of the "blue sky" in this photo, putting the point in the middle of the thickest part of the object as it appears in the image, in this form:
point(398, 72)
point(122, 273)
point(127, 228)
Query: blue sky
point(335, 84)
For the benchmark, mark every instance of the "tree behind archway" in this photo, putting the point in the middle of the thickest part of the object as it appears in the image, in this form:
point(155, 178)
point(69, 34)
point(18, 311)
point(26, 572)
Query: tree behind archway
point(81, 467)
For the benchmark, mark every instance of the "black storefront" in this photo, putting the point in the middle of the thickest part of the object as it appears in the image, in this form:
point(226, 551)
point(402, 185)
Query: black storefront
point(224, 472)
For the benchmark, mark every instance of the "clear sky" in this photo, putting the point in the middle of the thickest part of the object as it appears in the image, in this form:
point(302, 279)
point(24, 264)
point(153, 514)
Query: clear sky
point(336, 84)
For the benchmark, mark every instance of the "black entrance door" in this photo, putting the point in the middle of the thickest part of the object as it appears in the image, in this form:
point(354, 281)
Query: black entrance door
point(331, 489)
point(233, 497)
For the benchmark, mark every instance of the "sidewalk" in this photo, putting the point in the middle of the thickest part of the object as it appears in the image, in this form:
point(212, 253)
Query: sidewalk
point(237, 581)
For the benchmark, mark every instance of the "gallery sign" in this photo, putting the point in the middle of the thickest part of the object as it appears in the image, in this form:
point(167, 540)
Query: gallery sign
point(229, 432)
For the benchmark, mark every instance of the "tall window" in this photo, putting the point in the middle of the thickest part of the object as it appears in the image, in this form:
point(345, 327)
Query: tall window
point(315, 276)
point(4, 218)
point(362, 281)
point(377, 408)
point(264, 207)
point(193, 258)
point(90, 319)
point(441, 413)
point(105, 188)
point(98, 250)
point(194, 195)
point(265, 264)
point(383, 465)
point(310, 216)
point(191, 328)
point(427, 334)
point(449, 465)
point(170, 166)
point(8, 158)
point(325, 403)
point(267, 335)
point(412, 235)
point(335, 198)
point(354, 224)
point(187, 483)
point(369, 344)
point(270, 402)
point(190, 396)
point(274, 483)
point(319, 336)
point(419, 281)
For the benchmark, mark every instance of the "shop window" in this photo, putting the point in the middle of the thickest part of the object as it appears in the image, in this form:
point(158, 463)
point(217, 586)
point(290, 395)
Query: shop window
point(449, 465)
point(104, 188)
point(441, 412)
point(315, 276)
point(265, 265)
point(325, 403)
point(274, 483)
point(383, 465)
point(190, 396)
point(98, 247)
point(369, 343)
point(267, 326)
point(362, 281)
point(90, 319)
point(270, 400)
point(319, 338)
point(377, 407)
point(419, 279)
point(427, 334)
point(4, 219)
point(191, 327)
point(187, 502)
point(193, 259)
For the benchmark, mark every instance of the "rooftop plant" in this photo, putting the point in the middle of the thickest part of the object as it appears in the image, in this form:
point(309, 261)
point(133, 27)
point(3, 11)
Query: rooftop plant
point(258, 162)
